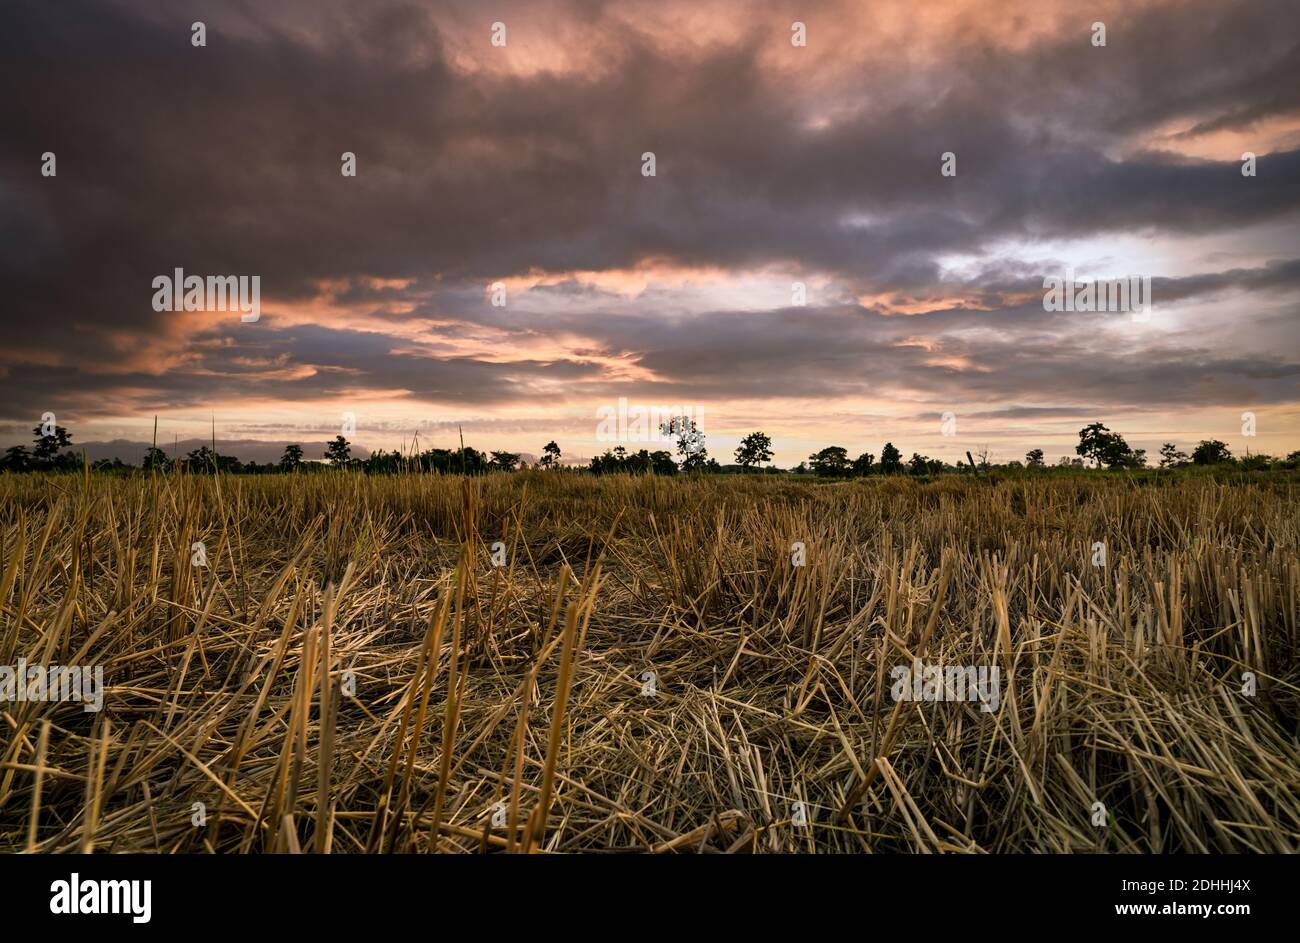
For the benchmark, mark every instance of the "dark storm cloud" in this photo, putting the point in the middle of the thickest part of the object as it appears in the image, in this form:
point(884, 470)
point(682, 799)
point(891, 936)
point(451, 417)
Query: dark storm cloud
point(226, 160)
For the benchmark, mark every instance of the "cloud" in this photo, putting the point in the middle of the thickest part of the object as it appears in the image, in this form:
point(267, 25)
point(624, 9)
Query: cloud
point(775, 164)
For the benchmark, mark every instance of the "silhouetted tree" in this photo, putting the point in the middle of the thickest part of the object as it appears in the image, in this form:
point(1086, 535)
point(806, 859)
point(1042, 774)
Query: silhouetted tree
point(505, 461)
point(156, 459)
point(831, 462)
point(1171, 456)
point(291, 460)
point(1132, 458)
point(1211, 452)
point(754, 449)
point(338, 452)
point(17, 459)
point(891, 460)
point(202, 459)
point(661, 463)
point(1104, 447)
point(658, 462)
point(49, 445)
point(690, 442)
point(924, 465)
point(863, 463)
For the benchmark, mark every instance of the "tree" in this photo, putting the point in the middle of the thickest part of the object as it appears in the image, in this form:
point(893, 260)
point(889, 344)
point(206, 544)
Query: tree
point(862, 464)
point(550, 455)
point(832, 462)
point(661, 463)
point(291, 460)
point(48, 446)
point(891, 460)
point(17, 459)
point(156, 458)
point(1104, 447)
point(1211, 452)
point(202, 459)
point(505, 461)
point(754, 449)
point(690, 442)
point(1171, 457)
point(696, 461)
point(638, 463)
point(1034, 458)
point(918, 464)
point(338, 452)
point(1094, 440)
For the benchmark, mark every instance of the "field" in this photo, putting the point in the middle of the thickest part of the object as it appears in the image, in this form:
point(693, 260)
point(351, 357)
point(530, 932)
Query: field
point(649, 671)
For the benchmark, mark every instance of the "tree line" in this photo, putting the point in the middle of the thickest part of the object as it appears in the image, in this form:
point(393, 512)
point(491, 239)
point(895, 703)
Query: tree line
point(1098, 447)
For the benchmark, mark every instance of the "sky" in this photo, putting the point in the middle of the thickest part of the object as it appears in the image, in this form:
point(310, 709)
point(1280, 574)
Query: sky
point(514, 171)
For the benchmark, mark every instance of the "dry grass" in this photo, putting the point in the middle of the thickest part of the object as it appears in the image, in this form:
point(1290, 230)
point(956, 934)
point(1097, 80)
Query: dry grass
point(521, 685)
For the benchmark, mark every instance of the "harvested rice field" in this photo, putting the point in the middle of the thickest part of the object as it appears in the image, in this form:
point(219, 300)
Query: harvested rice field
point(554, 662)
